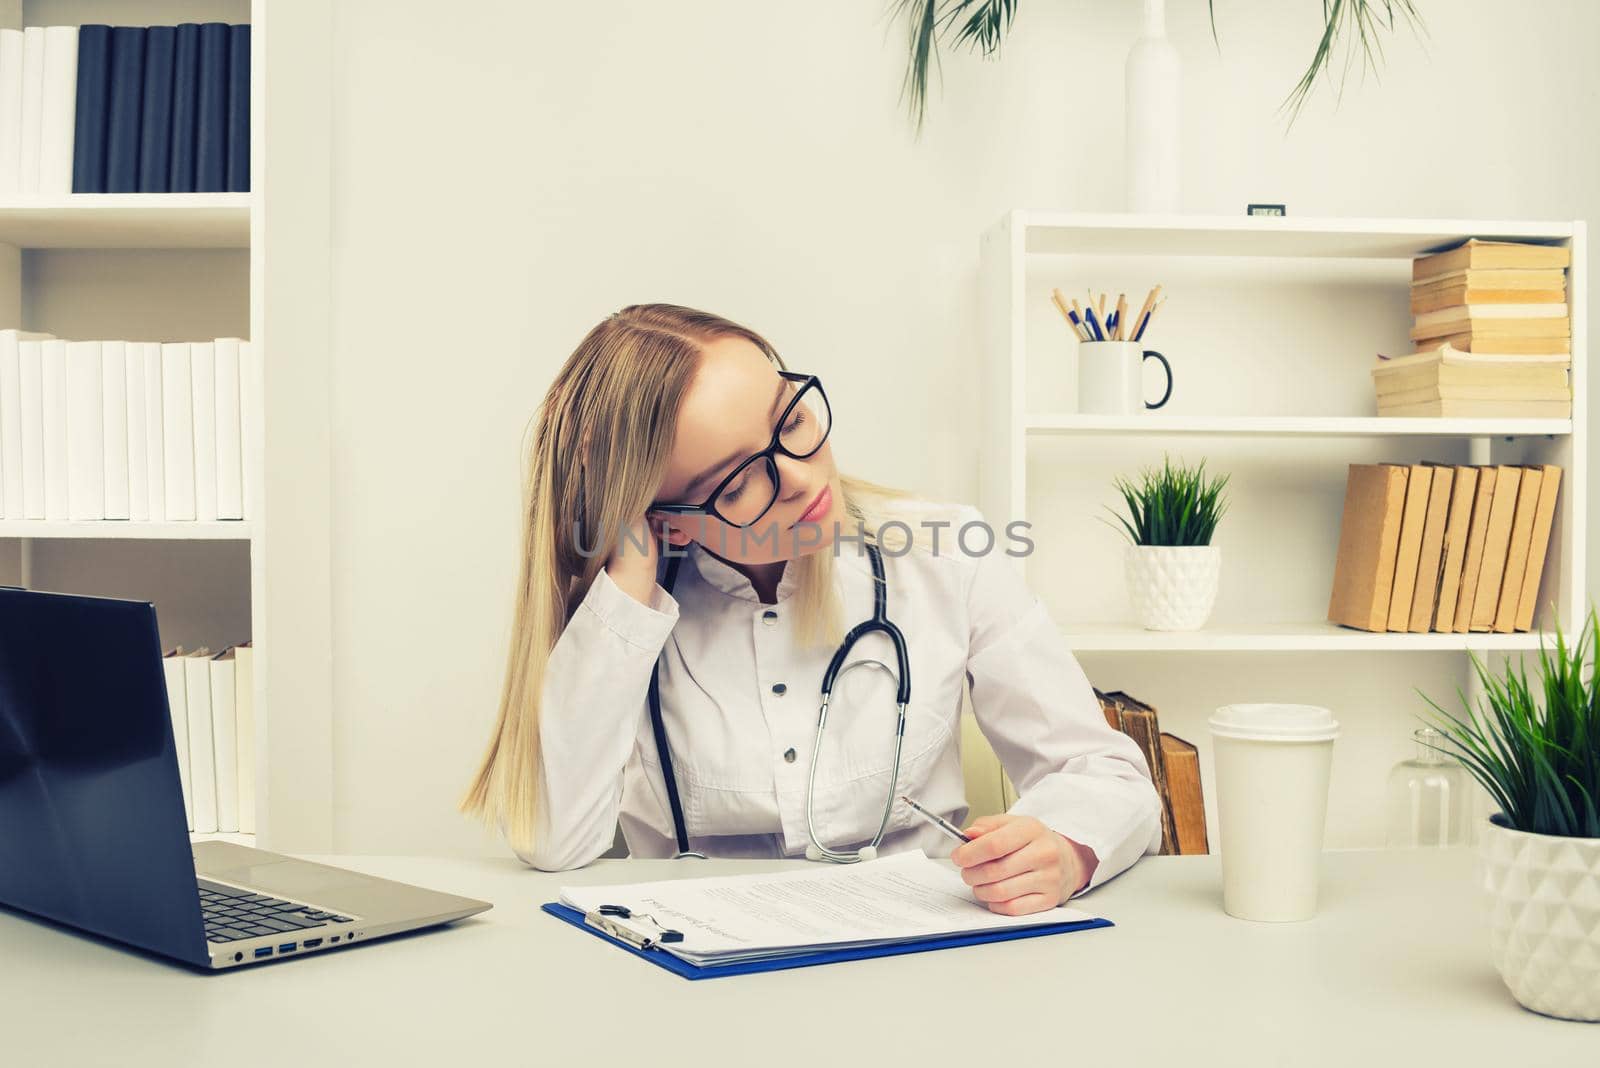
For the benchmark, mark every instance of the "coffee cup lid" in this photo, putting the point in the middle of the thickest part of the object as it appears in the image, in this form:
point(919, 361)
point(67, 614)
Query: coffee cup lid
point(1267, 722)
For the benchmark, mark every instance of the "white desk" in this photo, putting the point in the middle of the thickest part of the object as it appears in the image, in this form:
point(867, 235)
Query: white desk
point(1395, 970)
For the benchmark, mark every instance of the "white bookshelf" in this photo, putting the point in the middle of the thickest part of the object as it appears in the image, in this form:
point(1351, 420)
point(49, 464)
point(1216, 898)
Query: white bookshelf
point(192, 266)
point(1271, 327)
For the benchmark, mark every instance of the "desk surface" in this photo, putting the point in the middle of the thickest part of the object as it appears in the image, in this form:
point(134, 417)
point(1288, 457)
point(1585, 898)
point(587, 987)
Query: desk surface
point(1396, 967)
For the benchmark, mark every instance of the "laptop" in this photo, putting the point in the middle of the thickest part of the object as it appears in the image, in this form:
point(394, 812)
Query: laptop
point(92, 827)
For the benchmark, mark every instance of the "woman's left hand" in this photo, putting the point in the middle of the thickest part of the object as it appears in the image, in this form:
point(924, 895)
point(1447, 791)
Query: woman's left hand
point(1016, 865)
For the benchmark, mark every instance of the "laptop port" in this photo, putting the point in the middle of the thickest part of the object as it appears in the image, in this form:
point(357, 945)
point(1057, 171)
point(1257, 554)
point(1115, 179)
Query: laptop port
point(264, 951)
point(312, 943)
point(334, 940)
point(287, 947)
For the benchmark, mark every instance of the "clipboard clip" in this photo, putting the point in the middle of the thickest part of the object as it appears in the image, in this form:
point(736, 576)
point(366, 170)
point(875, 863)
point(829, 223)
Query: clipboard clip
point(602, 919)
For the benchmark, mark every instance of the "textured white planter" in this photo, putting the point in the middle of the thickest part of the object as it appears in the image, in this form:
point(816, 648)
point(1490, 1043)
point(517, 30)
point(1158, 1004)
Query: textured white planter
point(1544, 918)
point(1173, 587)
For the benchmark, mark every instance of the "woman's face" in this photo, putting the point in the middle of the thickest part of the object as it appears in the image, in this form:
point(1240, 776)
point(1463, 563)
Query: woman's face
point(729, 412)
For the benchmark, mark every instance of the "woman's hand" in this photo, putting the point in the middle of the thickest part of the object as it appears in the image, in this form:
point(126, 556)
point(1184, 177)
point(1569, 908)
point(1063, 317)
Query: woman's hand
point(1016, 865)
point(632, 564)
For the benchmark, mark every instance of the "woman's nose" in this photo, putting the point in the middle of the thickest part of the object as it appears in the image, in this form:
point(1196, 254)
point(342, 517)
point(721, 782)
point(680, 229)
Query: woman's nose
point(792, 480)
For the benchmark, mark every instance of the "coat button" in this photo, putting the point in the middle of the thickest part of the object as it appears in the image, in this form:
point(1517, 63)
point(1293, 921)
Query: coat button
point(769, 617)
point(788, 755)
point(779, 688)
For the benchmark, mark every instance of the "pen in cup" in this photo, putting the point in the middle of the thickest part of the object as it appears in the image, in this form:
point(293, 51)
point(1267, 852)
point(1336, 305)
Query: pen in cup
point(938, 821)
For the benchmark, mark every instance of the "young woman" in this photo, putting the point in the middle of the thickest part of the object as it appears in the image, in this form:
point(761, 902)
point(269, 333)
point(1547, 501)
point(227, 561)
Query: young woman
point(688, 537)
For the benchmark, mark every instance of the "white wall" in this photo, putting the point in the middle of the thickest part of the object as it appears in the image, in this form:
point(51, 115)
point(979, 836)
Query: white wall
point(504, 178)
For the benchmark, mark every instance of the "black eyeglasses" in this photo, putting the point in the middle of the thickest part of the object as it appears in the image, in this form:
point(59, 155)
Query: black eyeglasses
point(748, 492)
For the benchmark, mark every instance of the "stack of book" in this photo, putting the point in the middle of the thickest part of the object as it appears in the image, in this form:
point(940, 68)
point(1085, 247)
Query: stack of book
point(1174, 768)
point(1439, 547)
point(139, 430)
point(125, 109)
point(1492, 333)
point(214, 729)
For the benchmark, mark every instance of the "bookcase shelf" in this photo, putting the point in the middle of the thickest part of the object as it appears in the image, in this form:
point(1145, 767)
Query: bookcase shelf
point(1281, 637)
point(231, 530)
point(1293, 426)
point(126, 220)
point(1271, 327)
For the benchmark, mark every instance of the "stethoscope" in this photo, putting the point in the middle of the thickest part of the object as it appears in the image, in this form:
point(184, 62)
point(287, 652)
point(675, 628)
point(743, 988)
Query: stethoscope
point(879, 622)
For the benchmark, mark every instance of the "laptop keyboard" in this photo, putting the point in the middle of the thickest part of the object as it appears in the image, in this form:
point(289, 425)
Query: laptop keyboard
point(232, 914)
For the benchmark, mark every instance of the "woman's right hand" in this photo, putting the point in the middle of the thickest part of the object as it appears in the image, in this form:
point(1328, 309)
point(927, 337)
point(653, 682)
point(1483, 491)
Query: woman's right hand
point(632, 564)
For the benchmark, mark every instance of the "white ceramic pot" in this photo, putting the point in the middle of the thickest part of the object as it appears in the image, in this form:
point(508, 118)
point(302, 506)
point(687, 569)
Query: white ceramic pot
point(1173, 587)
point(1544, 918)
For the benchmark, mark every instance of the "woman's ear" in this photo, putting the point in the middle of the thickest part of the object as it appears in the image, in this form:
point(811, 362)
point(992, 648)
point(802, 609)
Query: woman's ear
point(674, 534)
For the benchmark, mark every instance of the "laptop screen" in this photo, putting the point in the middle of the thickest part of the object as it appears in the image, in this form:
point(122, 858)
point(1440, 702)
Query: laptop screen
point(92, 827)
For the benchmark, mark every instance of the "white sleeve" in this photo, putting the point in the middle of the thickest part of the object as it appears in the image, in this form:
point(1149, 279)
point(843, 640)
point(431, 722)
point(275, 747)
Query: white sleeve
point(594, 698)
point(1073, 771)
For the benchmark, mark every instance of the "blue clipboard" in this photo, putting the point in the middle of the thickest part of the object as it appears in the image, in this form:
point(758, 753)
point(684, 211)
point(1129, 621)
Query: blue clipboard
point(678, 966)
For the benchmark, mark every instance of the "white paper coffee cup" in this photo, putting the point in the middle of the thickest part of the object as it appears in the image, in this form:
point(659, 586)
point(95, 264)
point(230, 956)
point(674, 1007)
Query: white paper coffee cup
point(1272, 765)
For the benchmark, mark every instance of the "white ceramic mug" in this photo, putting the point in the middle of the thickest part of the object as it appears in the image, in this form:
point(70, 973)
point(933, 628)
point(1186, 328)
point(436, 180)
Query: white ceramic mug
point(1111, 377)
point(1272, 767)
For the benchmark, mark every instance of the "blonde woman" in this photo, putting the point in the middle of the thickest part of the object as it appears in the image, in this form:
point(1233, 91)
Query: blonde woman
point(688, 538)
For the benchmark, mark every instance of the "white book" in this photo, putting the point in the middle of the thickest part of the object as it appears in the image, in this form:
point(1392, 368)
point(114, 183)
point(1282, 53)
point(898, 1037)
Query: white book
point(178, 710)
point(30, 373)
point(138, 436)
point(244, 707)
point(32, 108)
point(10, 108)
point(86, 432)
point(203, 380)
point(250, 425)
point(202, 752)
point(225, 739)
point(114, 422)
point(177, 430)
point(155, 456)
point(230, 460)
point(57, 126)
point(53, 357)
point(10, 425)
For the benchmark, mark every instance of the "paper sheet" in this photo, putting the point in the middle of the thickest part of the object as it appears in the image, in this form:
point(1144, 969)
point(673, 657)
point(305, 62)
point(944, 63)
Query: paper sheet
point(893, 898)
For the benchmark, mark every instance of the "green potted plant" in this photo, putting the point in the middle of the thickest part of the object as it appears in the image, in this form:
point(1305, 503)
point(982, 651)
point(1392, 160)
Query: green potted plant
point(1172, 568)
point(1537, 753)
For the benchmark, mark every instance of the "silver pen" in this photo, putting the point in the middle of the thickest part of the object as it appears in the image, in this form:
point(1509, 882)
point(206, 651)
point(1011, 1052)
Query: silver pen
point(938, 821)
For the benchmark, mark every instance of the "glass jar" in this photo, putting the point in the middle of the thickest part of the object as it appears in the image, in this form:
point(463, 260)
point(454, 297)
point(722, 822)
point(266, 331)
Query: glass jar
point(1429, 797)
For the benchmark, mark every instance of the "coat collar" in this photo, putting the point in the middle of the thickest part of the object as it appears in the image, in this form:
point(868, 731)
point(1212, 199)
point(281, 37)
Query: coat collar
point(730, 580)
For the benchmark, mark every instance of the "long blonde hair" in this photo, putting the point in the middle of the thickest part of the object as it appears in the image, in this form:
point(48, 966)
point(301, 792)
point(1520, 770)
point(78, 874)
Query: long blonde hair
point(602, 438)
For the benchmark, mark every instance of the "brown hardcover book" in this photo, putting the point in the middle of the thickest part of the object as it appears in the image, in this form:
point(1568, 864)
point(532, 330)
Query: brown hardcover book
point(1481, 278)
point(1538, 546)
point(1474, 254)
point(1422, 599)
point(1508, 481)
point(1455, 546)
point(1140, 723)
point(1472, 563)
point(1369, 541)
point(1451, 408)
point(1438, 298)
point(1418, 487)
point(1488, 329)
point(1505, 614)
point(1497, 343)
point(1185, 797)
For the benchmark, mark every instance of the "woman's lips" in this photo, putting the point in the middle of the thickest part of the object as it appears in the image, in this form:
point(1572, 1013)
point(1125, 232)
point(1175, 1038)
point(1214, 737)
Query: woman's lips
point(819, 506)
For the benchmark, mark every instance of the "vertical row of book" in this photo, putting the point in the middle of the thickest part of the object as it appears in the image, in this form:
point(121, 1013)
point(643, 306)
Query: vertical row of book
point(125, 109)
point(1441, 547)
point(1174, 768)
point(214, 727)
point(143, 431)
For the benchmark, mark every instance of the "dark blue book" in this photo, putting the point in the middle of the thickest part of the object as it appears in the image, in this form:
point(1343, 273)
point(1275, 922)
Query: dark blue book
point(239, 108)
point(211, 111)
point(155, 139)
point(127, 96)
point(92, 106)
point(185, 98)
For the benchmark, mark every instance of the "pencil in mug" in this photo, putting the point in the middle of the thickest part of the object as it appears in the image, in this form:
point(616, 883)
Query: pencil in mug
point(1068, 314)
point(1121, 316)
point(1148, 316)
